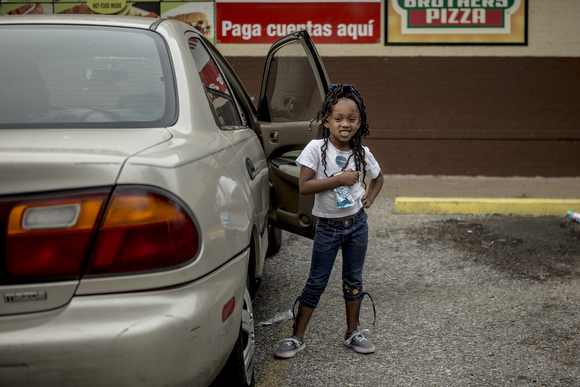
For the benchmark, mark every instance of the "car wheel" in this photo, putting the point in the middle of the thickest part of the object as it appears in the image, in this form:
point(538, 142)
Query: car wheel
point(274, 240)
point(239, 369)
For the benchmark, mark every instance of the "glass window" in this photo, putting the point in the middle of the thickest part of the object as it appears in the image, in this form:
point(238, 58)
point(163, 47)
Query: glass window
point(292, 91)
point(84, 77)
point(221, 100)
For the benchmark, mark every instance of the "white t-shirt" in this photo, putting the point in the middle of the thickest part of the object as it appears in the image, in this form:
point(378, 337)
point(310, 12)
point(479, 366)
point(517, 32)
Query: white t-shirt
point(325, 203)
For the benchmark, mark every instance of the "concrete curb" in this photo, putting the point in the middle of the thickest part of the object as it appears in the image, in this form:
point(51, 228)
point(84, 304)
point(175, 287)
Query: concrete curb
point(470, 206)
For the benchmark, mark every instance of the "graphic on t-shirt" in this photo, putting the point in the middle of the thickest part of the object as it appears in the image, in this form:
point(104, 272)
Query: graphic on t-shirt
point(341, 161)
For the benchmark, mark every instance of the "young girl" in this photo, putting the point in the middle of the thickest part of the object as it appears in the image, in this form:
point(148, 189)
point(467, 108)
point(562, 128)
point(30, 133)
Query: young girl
point(331, 169)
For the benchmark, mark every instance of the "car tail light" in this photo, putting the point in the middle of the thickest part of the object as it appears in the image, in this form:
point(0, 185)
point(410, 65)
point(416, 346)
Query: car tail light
point(51, 238)
point(143, 230)
point(48, 238)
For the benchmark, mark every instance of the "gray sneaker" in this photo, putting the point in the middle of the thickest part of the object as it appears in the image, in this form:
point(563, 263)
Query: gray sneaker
point(289, 347)
point(357, 341)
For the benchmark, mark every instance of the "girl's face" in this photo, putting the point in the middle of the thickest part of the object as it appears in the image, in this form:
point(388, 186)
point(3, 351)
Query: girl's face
point(343, 123)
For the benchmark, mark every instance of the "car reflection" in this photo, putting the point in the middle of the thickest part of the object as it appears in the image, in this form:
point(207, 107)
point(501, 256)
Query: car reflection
point(230, 202)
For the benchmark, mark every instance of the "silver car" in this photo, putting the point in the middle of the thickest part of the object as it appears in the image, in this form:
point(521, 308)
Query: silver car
point(140, 191)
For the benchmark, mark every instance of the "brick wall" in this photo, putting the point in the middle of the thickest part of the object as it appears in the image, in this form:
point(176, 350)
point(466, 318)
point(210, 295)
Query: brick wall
point(490, 116)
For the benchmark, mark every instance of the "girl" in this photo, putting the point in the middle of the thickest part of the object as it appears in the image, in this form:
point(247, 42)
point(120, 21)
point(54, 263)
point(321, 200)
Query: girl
point(330, 169)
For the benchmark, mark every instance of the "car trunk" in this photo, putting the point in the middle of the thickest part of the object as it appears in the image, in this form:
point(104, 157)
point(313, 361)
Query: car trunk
point(52, 168)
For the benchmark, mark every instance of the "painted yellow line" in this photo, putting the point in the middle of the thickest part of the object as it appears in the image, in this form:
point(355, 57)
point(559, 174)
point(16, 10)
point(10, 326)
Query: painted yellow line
point(415, 205)
point(276, 370)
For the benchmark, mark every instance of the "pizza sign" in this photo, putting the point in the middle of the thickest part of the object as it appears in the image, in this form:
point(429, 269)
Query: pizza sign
point(454, 21)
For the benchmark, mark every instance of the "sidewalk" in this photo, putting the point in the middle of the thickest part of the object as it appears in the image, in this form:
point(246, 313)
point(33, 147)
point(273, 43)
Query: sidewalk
point(482, 195)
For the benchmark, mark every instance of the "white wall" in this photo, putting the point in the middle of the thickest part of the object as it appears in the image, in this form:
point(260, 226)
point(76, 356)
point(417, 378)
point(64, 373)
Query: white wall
point(553, 31)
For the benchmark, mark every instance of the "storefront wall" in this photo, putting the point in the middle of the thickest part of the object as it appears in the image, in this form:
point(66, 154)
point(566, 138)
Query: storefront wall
point(463, 110)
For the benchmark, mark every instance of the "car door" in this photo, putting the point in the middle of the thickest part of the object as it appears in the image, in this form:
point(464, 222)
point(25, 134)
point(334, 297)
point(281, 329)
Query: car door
point(235, 116)
point(293, 87)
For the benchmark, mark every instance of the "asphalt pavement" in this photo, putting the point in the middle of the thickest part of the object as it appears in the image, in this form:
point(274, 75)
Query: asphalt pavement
point(447, 315)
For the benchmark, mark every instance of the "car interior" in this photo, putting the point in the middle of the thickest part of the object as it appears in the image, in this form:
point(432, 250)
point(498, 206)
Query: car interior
point(292, 96)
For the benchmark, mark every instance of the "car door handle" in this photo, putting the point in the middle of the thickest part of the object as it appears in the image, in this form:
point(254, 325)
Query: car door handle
point(274, 136)
point(250, 168)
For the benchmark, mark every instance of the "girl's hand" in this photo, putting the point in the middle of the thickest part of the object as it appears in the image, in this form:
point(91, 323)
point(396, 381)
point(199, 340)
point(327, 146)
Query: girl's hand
point(348, 178)
point(374, 189)
point(367, 203)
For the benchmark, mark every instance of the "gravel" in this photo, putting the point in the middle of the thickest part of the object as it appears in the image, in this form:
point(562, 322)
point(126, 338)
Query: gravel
point(470, 300)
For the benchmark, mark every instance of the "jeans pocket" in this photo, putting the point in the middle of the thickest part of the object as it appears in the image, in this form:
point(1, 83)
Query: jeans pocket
point(360, 236)
point(324, 238)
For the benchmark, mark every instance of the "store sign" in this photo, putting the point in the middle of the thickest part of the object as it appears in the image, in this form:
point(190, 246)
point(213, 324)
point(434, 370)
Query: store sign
point(456, 21)
point(337, 21)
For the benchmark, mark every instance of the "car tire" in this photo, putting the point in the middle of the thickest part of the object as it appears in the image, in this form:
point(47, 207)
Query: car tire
point(274, 240)
point(239, 369)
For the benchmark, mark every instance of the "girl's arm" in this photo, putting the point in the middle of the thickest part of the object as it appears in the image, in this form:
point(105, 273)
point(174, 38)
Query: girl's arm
point(373, 191)
point(308, 185)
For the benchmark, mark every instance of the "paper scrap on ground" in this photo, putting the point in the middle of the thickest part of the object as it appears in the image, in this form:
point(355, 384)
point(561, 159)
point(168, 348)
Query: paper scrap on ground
point(278, 318)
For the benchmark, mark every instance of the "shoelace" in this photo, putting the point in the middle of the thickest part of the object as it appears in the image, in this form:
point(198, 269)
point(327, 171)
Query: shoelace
point(374, 309)
point(357, 334)
point(295, 315)
point(290, 340)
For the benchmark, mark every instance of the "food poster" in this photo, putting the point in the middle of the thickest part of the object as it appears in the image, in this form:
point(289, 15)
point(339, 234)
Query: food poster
point(199, 15)
point(145, 9)
point(26, 9)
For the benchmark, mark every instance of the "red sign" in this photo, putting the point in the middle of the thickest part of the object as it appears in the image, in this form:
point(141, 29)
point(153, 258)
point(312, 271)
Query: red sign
point(327, 22)
point(455, 17)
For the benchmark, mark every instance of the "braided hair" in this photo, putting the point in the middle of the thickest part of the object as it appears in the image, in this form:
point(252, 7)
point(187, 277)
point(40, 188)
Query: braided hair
point(337, 92)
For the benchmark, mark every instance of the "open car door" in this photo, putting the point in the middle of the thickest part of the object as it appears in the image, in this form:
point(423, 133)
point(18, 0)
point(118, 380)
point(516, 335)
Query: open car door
point(293, 88)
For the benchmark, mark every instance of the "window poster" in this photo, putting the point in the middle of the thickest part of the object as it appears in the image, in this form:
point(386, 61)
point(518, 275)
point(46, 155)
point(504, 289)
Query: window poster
point(327, 21)
point(456, 22)
point(198, 14)
point(145, 9)
point(37, 8)
point(237, 21)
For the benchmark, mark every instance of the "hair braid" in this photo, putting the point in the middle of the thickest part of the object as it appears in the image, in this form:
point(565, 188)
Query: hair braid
point(325, 135)
point(332, 97)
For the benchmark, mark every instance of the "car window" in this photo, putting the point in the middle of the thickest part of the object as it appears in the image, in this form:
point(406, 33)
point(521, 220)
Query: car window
point(292, 92)
point(62, 76)
point(220, 97)
point(244, 102)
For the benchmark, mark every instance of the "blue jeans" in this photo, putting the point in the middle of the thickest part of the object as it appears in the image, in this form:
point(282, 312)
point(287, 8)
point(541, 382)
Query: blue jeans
point(352, 236)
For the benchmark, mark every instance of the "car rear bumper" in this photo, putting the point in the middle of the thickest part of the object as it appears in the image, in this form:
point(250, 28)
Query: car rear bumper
point(167, 337)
